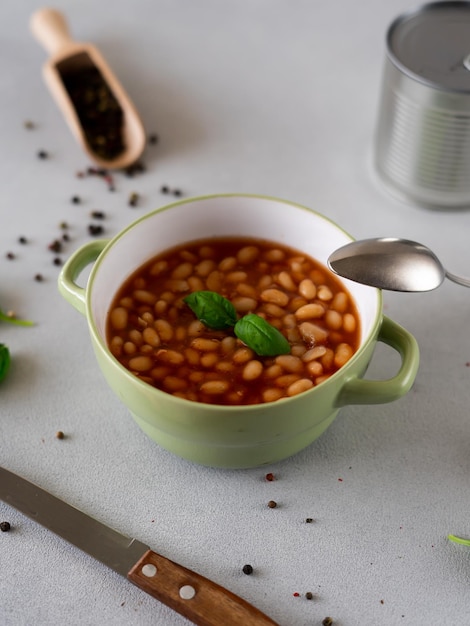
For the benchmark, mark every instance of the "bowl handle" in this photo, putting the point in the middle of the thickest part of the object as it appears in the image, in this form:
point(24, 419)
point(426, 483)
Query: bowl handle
point(74, 266)
point(359, 391)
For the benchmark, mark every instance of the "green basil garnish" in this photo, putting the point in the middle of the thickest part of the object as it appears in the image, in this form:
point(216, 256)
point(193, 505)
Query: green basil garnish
point(13, 320)
point(212, 309)
point(4, 361)
point(260, 336)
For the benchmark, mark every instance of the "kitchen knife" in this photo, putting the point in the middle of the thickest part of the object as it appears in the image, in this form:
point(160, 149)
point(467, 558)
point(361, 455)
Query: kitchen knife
point(197, 598)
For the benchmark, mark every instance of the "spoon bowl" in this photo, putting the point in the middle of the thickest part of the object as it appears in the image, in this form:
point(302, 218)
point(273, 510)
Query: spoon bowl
point(392, 264)
point(123, 139)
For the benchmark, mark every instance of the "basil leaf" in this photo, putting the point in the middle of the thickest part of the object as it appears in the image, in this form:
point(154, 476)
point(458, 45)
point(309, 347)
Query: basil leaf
point(4, 361)
point(260, 336)
point(212, 309)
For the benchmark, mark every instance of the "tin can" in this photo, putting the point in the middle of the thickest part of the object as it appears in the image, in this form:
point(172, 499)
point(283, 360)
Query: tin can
point(422, 141)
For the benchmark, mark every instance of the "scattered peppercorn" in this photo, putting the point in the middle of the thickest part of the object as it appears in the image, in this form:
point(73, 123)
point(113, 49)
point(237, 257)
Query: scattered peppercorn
point(177, 192)
point(328, 621)
point(65, 237)
point(95, 229)
point(153, 139)
point(5, 526)
point(272, 504)
point(22, 240)
point(247, 569)
point(309, 595)
point(57, 261)
point(270, 476)
point(55, 246)
point(309, 520)
point(38, 278)
point(42, 154)
point(98, 215)
point(76, 200)
point(10, 256)
point(133, 199)
point(63, 225)
point(60, 435)
point(29, 125)
point(164, 189)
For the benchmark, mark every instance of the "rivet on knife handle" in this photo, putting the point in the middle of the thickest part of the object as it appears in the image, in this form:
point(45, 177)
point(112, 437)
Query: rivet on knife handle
point(199, 599)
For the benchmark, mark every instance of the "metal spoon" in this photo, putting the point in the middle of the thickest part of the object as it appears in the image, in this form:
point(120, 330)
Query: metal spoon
point(392, 264)
point(68, 56)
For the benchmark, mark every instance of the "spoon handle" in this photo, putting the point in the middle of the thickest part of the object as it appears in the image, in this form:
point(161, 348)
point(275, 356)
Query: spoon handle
point(465, 282)
point(51, 30)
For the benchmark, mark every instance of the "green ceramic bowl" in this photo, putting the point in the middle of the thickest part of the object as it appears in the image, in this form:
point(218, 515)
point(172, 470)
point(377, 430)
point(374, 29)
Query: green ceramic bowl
point(233, 436)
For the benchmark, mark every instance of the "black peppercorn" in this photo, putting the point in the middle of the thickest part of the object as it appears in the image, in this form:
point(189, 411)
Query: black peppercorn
point(98, 215)
point(164, 189)
point(55, 246)
point(328, 621)
point(309, 520)
point(42, 154)
point(5, 526)
point(95, 229)
point(10, 256)
point(177, 192)
point(272, 504)
point(22, 240)
point(309, 595)
point(133, 199)
point(38, 278)
point(247, 569)
point(153, 139)
point(57, 261)
point(76, 200)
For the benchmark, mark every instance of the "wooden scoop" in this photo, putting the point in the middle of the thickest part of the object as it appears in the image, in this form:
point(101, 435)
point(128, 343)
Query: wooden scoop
point(97, 109)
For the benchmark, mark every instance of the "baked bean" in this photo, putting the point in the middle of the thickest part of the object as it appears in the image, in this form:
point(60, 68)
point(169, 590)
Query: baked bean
point(340, 302)
point(275, 296)
point(343, 353)
point(141, 295)
point(252, 370)
point(272, 394)
point(205, 345)
point(299, 386)
point(333, 319)
point(170, 356)
point(307, 289)
point(312, 333)
point(236, 277)
point(164, 329)
point(244, 304)
point(242, 355)
point(214, 387)
point(195, 283)
point(290, 363)
point(140, 363)
point(119, 317)
point(214, 281)
point(309, 311)
point(153, 332)
point(227, 264)
point(205, 267)
point(284, 279)
point(151, 337)
point(247, 255)
point(349, 323)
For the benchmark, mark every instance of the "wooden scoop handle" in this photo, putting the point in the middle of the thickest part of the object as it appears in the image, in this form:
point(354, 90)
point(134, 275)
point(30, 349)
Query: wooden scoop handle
point(51, 30)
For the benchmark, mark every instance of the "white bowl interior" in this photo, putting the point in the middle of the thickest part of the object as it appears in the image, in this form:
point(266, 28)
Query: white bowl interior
point(216, 216)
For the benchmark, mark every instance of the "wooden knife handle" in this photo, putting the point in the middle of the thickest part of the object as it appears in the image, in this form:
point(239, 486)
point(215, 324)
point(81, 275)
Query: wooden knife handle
point(197, 598)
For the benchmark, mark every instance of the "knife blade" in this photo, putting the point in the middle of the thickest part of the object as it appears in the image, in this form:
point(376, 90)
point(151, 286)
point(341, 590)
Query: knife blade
point(197, 598)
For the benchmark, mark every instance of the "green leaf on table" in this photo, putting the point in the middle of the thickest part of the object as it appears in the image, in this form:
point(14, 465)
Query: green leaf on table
point(212, 309)
point(261, 336)
point(4, 361)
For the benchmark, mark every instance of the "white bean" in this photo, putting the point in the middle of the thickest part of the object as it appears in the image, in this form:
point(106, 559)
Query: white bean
point(275, 296)
point(252, 370)
point(313, 310)
point(307, 289)
point(215, 387)
point(119, 318)
point(299, 386)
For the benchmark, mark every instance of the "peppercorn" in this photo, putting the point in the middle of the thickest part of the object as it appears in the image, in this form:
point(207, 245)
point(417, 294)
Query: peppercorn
point(60, 435)
point(248, 569)
point(76, 200)
point(270, 476)
point(63, 225)
point(309, 520)
point(133, 199)
point(57, 261)
point(95, 229)
point(328, 621)
point(309, 595)
point(22, 240)
point(153, 139)
point(272, 504)
point(55, 246)
point(42, 154)
point(5, 526)
point(29, 124)
point(177, 192)
point(164, 189)
point(38, 278)
point(98, 215)
point(10, 256)
point(65, 237)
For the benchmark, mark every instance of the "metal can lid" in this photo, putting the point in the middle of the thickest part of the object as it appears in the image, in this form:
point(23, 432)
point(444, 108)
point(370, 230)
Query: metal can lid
point(432, 45)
